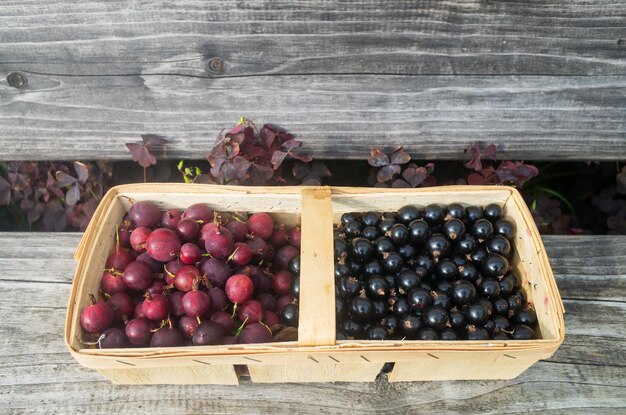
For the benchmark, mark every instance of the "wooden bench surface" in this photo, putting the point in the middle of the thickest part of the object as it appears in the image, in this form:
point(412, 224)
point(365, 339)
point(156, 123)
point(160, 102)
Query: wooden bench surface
point(585, 376)
point(544, 80)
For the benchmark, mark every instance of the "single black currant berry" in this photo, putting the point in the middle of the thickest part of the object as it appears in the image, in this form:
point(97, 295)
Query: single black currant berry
point(478, 255)
point(460, 260)
point(377, 332)
point(449, 334)
point(295, 287)
point(447, 269)
point(355, 267)
point(444, 286)
point(453, 229)
point(392, 216)
point(419, 231)
point(427, 334)
point(371, 218)
point(517, 282)
point(352, 229)
point(384, 244)
point(373, 267)
point(482, 229)
point(392, 324)
point(348, 287)
point(426, 263)
point(463, 292)
point(410, 324)
point(341, 248)
point(408, 213)
point(457, 319)
point(435, 317)
point(401, 306)
point(391, 281)
point(385, 225)
point(349, 217)
point(489, 288)
point(525, 316)
point(501, 306)
point(501, 323)
point(473, 213)
point(438, 245)
point(370, 232)
point(523, 332)
point(341, 335)
point(500, 336)
point(477, 314)
point(294, 265)
point(506, 285)
point(455, 210)
point(289, 315)
point(466, 244)
point(469, 272)
point(477, 333)
point(514, 302)
point(494, 265)
point(407, 280)
point(493, 212)
point(380, 310)
point(419, 299)
point(499, 245)
point(441, 299)
point(407, 252)
point(485, 303)
point(433, 214)
point(489, 326)
point(521, 295)
point(361, 308)
point(505, 228)
point(376, 287)
point(352, 328)
point(392, 261)
point(341, 270)
point(398, 233)
point(361, 249)
point(341, 309)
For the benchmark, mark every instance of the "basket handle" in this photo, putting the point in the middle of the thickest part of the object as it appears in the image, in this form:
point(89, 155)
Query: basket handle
point(317, 282)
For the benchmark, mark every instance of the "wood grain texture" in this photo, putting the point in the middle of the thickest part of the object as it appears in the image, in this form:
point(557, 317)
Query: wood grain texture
point(584, 376)
point(543, 80)
point(433, 117)
point(315, 37)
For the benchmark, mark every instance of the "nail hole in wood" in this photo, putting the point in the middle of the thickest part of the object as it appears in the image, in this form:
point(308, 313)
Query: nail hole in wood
point(432, 355)
point(332, 358)
point(365, 358)
point(510, 357)
point(204, 363)
point(312, 358)
point(254, 360)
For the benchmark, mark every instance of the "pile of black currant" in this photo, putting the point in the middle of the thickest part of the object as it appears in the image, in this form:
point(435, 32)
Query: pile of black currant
point(431, 273)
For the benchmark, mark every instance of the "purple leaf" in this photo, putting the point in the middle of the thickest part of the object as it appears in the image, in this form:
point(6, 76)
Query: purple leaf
point(64, 179)
point(82, 171)
point(414, 176)
point(73, 195)
point(228, 172)
point(311, 181)
point(260, 174)
point(300, 170)
point(377, 158)
point(150, 140)
point(399, 156)
point(475, 179)
point(5, 192)
point(54, 217)
point(241, 167)
point(141, 154)
point(387, 172)
point(290, 145)
point(277, 158)
point(302, 157)
point(203, 179)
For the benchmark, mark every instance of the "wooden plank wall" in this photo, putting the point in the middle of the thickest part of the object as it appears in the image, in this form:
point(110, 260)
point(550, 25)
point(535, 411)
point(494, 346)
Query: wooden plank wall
point(542, 79)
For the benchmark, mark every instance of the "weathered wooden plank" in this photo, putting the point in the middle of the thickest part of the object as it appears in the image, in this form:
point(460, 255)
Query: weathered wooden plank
point(274, 37)
point(433, 117)
point(585, 375)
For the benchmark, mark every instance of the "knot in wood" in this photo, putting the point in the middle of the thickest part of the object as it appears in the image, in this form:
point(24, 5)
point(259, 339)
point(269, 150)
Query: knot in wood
point(216, 65)
point(17, 80)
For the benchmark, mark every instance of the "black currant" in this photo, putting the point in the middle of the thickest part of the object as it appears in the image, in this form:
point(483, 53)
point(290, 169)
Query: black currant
point(384, 244)
point(500, 336)
point(427, 334)
point(433, 214)
point(361, 249)
point(446, 268)
point(523, 332)
point(373, 267)
point(478, 255)
point(435, 317)
point(501, 323)
point(401, 306)
point(477, 314)
point(361, 308)
point(514, 302)
point(392, 261)
point(477, 333)
point(449, 334)
point(455, 210)
point(463, 292)
point(341, 248)
point(499, 245)
point(473, 213)
point(348, 287)
point(489, 288)
point(380, 310)
point(505, 228)
point(494, 265)
point(371, 218)
point(457, 319)
point(469, 272)
point(410, 324)
point(438, 245)
point(501, 306)
point(408, 213)
point(441, 299)
point(377, 332)
point(355, 267)
point(424, 262)
point(408, 251)
point(349, 217)
point(341, 270)
point(492, 212)
point(453, 229)
point(376, 287)
point(289, 315)
point(341, 309)
point(466, 244)
point(392, 324)
point(352, 329)
point(352, 229)
point(525, 316)
point(294, 265)
point(482, 229)
point(295, 287)
point(419, 299)
point(385, 225)
point(398, 233)
point(419, 231)
point(370, 232)
point(341, 335)
point(485, 303)
point(407, 280)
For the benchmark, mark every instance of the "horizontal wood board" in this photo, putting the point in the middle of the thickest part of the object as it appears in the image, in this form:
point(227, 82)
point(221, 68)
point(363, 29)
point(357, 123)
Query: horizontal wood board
point(584, 376)
point(541, 79)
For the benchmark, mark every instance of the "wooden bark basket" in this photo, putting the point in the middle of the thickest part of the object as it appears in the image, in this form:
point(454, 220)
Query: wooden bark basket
point(316, 356)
